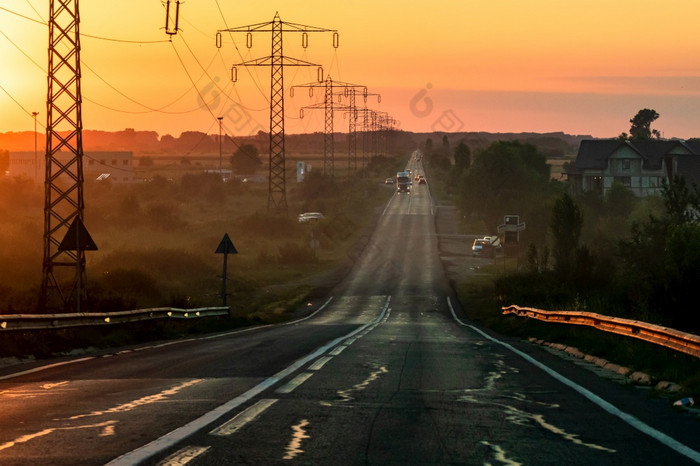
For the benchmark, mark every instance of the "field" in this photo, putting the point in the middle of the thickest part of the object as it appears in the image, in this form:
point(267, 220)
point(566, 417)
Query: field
point(157, 238)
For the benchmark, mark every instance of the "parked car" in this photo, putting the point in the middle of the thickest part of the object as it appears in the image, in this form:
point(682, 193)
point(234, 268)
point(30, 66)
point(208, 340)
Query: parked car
point(310, 217)
point(482, 247)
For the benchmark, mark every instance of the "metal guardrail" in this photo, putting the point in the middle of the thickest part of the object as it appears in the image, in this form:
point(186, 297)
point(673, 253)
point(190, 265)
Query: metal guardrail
point(670, 338)
point(53, 321)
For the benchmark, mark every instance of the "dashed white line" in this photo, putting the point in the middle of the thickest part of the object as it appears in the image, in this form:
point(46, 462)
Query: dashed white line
point(320, 363)
point(170, 439)
point(294, 383)
point(184, 456)
point(243, 418)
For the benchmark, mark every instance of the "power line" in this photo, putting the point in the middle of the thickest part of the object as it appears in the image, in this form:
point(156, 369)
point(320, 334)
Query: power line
point(91, 36)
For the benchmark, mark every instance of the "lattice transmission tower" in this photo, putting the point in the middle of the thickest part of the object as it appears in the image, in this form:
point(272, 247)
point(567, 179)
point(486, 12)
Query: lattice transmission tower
point(353, 116)
point(328, 106)
point(63, 277)
point(277, 196)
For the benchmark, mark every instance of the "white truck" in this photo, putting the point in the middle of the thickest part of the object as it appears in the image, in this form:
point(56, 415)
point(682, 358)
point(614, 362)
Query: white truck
point(403, 182)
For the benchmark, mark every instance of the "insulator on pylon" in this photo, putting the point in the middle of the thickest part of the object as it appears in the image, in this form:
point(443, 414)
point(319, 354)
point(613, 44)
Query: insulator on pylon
point(311, 92)
point(171, 31)
point(249, 40)
point(301, 113)
point(379, 99)
point(218, 40)
point(234, 74)
point(320, 74)
point(347, 92)
point(336, 40)
point(305, 39)
point(291, 92)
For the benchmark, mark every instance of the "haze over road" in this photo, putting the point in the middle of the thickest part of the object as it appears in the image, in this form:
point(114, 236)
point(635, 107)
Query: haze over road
point(387, 372)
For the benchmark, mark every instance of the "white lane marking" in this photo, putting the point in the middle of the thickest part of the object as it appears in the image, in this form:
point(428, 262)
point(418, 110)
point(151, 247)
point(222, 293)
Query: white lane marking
point(607, 406)
point(294, 383)
point(184, 456)
point(294, 447)
point(244, 417)
point(170, 439)
point(43, 368)
point(337, 350)
point(323, 306)
point(162, 345)
point(320, 363)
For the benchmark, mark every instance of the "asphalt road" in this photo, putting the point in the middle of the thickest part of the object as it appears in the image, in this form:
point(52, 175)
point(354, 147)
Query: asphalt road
point(387, 371)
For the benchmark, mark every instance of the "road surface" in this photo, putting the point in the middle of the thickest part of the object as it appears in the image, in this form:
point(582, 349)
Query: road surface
point(386, 371)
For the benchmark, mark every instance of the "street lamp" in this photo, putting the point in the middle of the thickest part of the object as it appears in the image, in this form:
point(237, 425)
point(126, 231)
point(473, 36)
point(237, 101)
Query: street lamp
point(36, 160)
point(221, 174)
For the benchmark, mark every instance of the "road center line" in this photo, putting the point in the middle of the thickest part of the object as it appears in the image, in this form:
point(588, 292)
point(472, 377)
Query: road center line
point(170, 439)
point(607, 406)
point(243, 418)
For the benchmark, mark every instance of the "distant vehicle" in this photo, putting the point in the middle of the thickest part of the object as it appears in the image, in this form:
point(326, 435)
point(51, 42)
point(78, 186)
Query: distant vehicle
point(486, 246)
point(389, 181)
point(310, 217)
point(422, 180)
point(403, 182)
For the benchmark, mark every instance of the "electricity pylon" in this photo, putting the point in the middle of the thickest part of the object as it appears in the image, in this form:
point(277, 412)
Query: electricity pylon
point(63, 278)
point(277, 196)
point(353, 116)
point(327, 105)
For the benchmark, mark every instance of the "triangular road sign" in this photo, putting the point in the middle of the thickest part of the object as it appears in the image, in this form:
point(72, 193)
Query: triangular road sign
point(226, 246)
point(77, 238)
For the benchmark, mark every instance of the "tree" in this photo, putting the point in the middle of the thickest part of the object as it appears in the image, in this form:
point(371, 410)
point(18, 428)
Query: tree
point(245, 160)
point(506, 177)
point(565, 225)
point(641, 125)
point(463, 157)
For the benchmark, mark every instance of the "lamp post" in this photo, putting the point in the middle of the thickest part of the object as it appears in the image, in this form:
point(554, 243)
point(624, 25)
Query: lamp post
point(221, 174)
point(36, 160)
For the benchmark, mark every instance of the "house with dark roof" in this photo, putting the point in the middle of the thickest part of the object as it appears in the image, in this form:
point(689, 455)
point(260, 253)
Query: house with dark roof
point(640, 165)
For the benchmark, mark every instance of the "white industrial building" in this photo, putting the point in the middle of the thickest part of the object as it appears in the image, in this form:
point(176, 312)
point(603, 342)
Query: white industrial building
point(116, 166)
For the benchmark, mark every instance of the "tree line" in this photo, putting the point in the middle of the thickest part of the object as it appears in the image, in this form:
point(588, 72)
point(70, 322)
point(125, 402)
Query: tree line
point(613, 254)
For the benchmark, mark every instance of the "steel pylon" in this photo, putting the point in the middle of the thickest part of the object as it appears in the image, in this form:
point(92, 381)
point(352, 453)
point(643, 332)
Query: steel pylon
point(277, 194)
point(63, 277)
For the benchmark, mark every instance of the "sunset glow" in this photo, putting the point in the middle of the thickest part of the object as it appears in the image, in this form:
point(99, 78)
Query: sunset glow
point(507, 66)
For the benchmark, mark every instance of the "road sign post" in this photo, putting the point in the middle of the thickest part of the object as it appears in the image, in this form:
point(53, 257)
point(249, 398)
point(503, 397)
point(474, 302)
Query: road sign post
point(225, 247)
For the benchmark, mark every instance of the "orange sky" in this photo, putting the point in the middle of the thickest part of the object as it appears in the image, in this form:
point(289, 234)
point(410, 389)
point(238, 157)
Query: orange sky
point(583, 67)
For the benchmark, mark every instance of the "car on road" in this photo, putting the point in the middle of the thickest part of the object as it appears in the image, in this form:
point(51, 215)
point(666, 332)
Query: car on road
point(422, 180)
point(485, 246)
point(389, 181)
point(310, 217)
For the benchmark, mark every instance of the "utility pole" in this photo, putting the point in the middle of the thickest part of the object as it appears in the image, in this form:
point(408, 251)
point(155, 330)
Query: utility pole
point(63, 276)
point(327, 105)
point(36, 156)
point(221, 173)
point(277, 196)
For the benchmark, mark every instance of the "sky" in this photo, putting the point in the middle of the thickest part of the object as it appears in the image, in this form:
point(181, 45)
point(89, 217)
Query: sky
point(577, 66)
